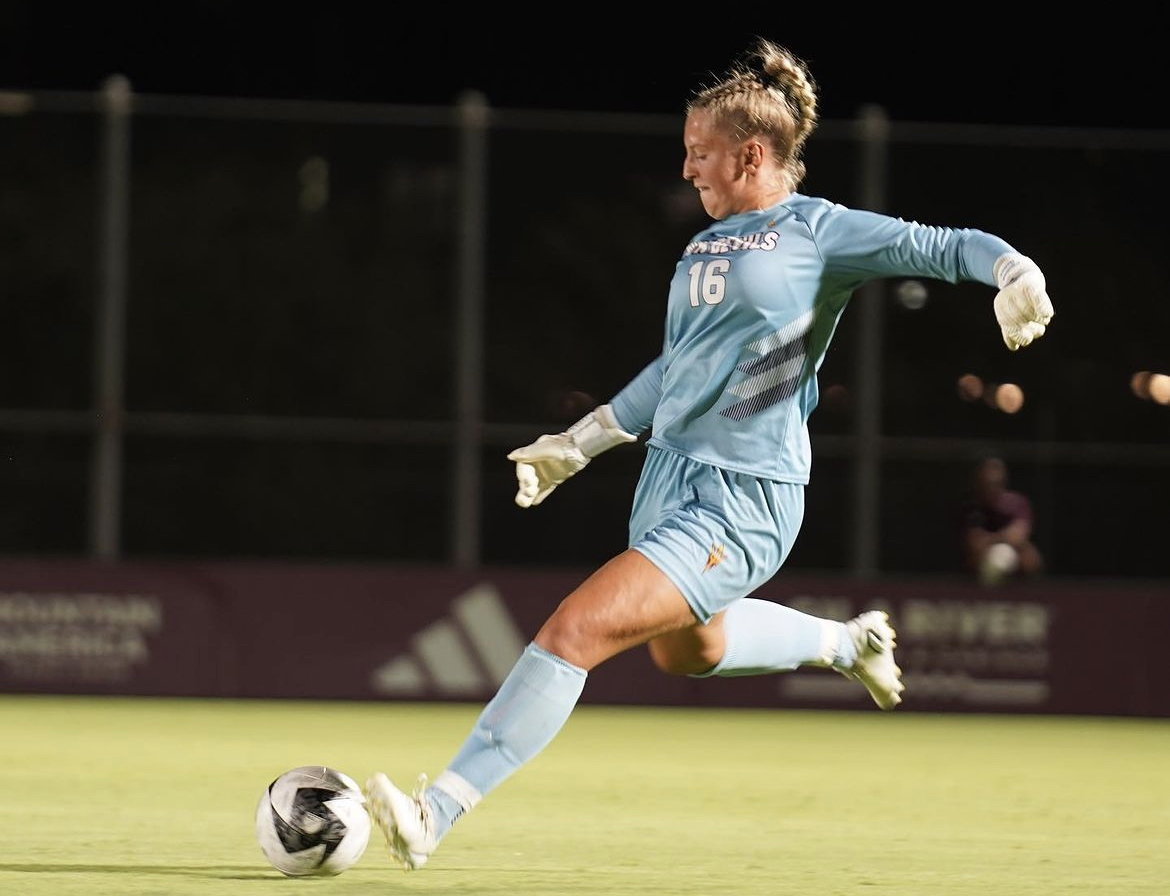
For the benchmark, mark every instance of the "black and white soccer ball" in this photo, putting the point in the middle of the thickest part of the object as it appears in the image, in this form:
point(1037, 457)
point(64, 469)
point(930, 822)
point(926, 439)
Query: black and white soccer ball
point(312, 821)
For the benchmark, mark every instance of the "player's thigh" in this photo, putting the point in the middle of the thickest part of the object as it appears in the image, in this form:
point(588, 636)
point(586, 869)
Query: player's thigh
point(626, 602)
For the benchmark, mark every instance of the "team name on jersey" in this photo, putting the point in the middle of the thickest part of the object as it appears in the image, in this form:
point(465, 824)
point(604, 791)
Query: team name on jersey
point(765, 239)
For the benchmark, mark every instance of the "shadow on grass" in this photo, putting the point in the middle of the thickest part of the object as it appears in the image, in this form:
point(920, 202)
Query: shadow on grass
point(240, 872)
point(452, 881)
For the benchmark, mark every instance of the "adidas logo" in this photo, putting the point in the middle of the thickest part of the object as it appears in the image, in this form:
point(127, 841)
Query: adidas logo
point(468, 653)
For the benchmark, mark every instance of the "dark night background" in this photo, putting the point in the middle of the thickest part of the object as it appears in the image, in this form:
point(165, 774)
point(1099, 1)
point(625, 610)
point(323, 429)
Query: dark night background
point(244, 304)
point(970, 66)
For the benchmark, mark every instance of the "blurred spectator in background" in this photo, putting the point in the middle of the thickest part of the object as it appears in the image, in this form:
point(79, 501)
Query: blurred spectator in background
point(996, 535)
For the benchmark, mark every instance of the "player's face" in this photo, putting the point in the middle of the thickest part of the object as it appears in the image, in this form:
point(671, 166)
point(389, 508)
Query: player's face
point(714, 165)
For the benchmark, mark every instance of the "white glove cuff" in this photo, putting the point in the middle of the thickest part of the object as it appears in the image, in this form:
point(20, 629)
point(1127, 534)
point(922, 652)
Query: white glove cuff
point(1010, 266)
point(598, 431)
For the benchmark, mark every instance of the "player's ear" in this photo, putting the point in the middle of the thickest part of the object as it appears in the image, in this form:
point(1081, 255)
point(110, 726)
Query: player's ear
point(753, 155)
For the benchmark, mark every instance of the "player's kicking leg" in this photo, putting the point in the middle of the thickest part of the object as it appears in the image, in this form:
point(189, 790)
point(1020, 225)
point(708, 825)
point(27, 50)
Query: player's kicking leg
point(406, 821)
point(874, 667)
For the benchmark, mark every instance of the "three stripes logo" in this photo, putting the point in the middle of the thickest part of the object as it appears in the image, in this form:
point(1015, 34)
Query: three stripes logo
point(467, 653)
point(775, 375)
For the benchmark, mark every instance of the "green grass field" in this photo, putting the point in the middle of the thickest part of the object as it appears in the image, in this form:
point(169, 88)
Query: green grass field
point(137, 796)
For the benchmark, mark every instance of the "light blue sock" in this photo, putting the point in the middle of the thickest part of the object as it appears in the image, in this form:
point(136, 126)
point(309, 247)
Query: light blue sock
point(530, 707)
point(764, 637)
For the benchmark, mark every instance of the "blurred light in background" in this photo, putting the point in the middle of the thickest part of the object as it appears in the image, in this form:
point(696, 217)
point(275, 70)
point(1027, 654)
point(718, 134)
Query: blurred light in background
point(1008, 397)
point(1005, 397)
point(1160, 388)
point(912, 294)
point(1149, 386)
point(970, 387)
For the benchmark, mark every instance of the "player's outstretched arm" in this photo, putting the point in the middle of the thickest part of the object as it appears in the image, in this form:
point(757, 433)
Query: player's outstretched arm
point(551, 459)
point(1022, 306)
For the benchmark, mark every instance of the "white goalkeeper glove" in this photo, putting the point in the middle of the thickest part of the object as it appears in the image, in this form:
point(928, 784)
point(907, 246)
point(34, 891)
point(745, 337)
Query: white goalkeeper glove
point(550, 460)
point(1022, 306)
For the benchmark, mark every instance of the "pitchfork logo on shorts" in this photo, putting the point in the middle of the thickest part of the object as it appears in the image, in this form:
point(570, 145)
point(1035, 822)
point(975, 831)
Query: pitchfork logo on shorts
point(715, 556)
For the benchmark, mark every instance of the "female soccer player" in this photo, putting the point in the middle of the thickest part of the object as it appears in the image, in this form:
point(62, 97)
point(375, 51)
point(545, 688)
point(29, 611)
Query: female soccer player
point(752, 307)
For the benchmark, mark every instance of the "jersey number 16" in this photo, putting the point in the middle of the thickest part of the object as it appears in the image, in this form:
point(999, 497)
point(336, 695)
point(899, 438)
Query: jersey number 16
point(708, 281)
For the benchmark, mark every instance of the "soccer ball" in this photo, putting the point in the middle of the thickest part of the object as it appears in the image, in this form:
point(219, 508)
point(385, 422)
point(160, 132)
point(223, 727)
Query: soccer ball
point(312, 821)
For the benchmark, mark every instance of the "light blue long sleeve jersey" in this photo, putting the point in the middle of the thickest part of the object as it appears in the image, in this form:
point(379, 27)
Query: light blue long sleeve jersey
point(753, 305)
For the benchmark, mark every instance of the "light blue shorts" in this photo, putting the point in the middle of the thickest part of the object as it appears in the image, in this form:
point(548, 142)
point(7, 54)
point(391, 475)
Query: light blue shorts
point(717, 535)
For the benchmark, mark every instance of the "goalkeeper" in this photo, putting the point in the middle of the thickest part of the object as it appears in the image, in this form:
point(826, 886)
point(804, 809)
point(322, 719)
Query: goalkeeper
point(750, 313)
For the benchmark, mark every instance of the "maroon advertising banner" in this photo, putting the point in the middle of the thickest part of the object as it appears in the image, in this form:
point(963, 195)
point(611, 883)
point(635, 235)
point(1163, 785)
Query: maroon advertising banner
point(425, 634)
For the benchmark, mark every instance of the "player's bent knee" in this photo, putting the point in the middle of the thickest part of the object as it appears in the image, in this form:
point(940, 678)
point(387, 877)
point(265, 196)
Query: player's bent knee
point(565, 642)
point(570, 636)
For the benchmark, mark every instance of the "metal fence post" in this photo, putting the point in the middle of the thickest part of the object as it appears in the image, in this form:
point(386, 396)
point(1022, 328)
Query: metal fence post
point(473, 123)
point(874, 131)
point(110, 330)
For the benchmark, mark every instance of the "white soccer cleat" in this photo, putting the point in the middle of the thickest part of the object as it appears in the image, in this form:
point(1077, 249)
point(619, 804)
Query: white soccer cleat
point(874, 667)
point(405, 821)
